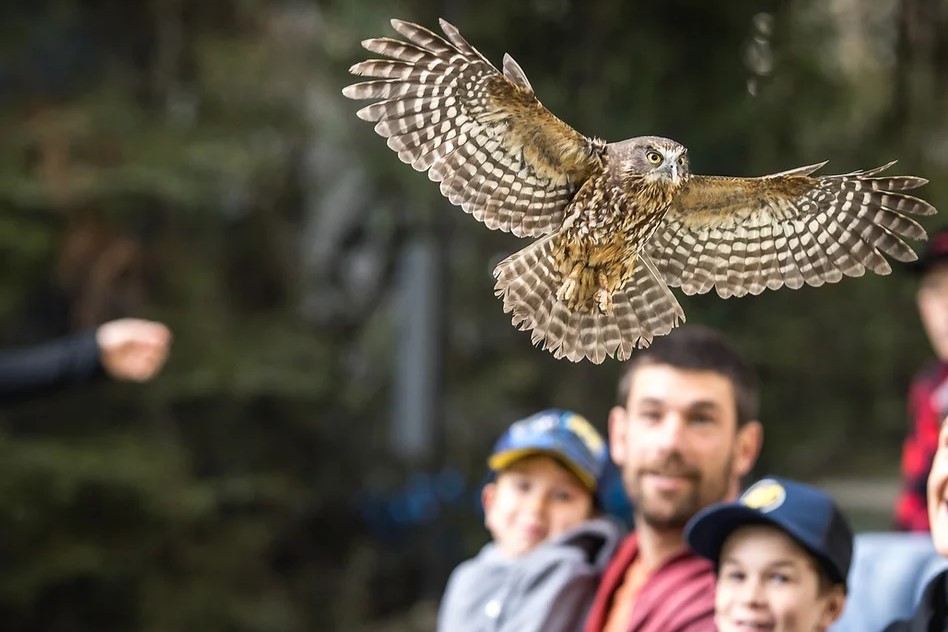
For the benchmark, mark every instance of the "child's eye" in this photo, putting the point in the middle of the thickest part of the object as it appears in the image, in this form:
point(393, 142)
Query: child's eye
point(733, 575)
point(780, 578)
point(562, 496)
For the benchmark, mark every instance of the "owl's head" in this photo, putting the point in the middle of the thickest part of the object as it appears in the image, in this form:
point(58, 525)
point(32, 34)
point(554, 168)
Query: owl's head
point(656, 158)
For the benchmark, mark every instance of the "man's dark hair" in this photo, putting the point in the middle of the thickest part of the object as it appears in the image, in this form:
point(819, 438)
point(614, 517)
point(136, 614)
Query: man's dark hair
point(696, 348)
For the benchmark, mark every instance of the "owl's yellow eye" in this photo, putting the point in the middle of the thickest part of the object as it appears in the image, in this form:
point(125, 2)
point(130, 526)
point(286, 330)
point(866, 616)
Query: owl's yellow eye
point(653, 157)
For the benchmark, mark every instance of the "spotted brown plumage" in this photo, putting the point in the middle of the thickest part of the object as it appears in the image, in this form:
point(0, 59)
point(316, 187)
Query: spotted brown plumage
point(618, 222)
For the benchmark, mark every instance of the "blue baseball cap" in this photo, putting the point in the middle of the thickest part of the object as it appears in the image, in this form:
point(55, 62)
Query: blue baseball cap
point(808, 515)
point(562, 434)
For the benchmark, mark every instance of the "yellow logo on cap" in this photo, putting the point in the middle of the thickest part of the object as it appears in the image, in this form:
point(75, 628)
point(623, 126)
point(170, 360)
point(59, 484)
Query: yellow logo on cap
point(765, 495)
point(584, 430)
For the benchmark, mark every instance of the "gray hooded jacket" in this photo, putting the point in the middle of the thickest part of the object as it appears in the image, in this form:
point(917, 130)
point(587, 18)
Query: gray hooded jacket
point(549, 589)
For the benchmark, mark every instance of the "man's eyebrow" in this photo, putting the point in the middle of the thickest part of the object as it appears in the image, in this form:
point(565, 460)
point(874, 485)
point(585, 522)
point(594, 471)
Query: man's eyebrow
point(652, 401)
point(704, 403)
point(699, 404)
point(704, 406)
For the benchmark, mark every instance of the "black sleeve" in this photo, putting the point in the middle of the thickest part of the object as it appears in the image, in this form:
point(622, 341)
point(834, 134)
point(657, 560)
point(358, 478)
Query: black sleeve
point(37, 370)
point(931, 614)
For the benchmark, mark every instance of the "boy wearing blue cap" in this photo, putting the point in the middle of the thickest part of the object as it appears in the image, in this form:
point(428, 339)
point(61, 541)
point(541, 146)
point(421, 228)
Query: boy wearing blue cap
point(541, 569)
point(782, 554)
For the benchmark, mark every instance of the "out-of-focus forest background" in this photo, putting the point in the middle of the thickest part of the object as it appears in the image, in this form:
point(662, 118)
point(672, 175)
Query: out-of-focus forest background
point(311, 456)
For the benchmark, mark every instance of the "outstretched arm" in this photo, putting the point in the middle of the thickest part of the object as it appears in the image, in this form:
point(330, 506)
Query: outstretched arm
point(124, 349)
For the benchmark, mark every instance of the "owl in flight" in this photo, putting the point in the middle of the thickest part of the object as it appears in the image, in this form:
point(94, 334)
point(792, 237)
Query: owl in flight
point(615, 224)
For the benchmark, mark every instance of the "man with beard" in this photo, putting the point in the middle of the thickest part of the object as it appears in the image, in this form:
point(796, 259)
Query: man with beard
point(684, 432)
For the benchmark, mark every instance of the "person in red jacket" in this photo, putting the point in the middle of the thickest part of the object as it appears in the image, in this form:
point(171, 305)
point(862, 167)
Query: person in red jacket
point(928, 393)
point(684, 433)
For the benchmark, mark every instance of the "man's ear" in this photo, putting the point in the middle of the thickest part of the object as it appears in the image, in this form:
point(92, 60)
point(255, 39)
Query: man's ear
point(618, 427)
point(488, 494)
point(750, 439)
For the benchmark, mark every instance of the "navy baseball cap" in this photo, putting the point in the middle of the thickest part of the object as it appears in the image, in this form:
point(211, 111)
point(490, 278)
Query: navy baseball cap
point(562, 434)
point(936, 252)
point(808, 515)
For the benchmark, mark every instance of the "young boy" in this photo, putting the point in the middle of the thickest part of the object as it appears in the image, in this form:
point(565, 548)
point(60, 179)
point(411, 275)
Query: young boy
point(782, 554)
point(548, 549)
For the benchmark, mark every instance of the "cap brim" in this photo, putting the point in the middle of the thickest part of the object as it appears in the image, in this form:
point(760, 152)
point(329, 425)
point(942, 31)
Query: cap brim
point(502, 460)
point(711, 527)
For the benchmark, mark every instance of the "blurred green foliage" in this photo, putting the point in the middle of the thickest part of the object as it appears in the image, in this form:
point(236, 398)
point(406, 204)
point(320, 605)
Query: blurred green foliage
point(196, 163)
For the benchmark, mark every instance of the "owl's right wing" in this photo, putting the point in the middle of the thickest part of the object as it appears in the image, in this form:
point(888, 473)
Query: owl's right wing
point(744, 235)
point(497, 152)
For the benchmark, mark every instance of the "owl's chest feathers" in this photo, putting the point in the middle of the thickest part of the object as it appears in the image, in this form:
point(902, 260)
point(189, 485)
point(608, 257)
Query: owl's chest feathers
point(596, 249)
point(607, 222)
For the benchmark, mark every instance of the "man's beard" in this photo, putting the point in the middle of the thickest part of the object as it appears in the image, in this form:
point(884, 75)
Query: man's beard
point(704, 490)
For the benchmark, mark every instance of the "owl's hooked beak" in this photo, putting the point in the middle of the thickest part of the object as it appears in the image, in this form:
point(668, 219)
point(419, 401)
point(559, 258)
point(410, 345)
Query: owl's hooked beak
point(673, 171)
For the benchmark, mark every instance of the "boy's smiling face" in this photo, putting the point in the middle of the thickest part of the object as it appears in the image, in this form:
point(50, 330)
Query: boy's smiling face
point(534, 499)
point(766, 581)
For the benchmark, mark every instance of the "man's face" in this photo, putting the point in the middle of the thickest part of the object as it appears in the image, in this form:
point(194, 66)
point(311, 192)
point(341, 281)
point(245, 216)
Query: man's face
point(534, 499)
point(932, 300)
point(938, 493)
point(766, 581)
point(677, 443)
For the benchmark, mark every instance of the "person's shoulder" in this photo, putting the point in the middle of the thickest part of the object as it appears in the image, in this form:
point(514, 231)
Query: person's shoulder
point(488, 559)
point(590, 545)
point(932, 607)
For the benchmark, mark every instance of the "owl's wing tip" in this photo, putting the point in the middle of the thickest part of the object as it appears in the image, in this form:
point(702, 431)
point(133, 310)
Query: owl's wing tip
point(396, 22)
point(514, 73)
point(447, 27)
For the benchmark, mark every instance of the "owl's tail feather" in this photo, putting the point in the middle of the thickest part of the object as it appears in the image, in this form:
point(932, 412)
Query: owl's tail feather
point(527, 281)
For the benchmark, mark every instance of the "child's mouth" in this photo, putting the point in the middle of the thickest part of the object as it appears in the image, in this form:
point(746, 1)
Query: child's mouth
point(754, 625)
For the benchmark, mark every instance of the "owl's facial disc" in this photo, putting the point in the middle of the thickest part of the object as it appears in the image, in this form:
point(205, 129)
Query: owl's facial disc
point(667, 163)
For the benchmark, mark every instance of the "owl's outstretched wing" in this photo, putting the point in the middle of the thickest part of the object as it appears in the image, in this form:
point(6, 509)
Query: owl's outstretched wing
point(743, 235)
point(497, 152)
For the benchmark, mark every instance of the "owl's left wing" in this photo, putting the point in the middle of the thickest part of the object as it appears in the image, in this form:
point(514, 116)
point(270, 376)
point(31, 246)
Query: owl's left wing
point(743, 235)
point(497, 152)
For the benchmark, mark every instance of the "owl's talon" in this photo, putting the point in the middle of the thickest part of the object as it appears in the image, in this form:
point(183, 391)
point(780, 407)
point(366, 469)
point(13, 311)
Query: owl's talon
point(604, 299)
point(567, 290)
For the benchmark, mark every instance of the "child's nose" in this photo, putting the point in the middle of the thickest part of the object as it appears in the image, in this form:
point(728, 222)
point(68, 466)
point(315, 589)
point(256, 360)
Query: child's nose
point(535, 503)
point(752, 592)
